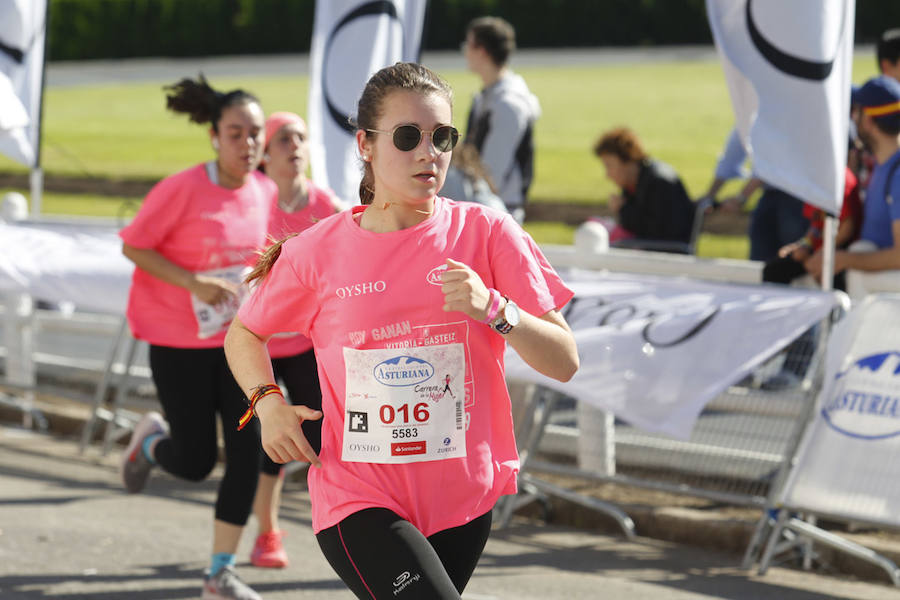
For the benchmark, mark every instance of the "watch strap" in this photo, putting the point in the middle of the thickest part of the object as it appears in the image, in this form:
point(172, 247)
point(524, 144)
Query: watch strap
point(494, 306)
point(500, 324)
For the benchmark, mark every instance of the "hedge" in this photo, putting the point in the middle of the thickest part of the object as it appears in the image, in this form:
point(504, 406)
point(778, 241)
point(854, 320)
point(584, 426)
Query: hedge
point(85, 29)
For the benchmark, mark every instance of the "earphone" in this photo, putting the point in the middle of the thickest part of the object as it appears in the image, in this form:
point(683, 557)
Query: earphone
point(266, 157)
point(215, 143)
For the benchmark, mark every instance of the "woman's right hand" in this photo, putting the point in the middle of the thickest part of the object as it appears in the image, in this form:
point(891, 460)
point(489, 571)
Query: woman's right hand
point(282, 436)
point(212, 290)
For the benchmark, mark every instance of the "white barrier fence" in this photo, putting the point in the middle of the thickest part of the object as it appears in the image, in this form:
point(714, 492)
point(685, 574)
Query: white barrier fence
point(845, 467)
point(747, 426)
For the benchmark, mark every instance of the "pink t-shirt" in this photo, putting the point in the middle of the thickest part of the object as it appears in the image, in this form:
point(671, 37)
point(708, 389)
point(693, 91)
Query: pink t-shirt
point(346, 287)
point(282, 224)
point(199, 226)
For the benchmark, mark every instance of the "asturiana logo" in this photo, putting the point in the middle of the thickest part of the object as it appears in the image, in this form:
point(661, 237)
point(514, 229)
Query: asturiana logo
point(434, 275)
point(865, 401)
point(403, 371)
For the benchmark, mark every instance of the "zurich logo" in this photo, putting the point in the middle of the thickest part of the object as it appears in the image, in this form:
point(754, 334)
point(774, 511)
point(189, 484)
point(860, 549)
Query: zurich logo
point(403, 371)
point(434, 275)
point(865, 400)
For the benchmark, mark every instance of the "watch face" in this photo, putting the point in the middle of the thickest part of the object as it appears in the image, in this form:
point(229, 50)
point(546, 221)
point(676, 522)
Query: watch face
point(511, 313)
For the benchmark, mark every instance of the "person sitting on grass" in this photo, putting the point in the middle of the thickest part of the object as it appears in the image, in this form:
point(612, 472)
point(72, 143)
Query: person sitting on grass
point(653, 204)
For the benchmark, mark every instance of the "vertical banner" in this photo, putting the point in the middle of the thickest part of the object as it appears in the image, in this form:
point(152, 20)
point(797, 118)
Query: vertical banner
point(22, 32)
point(846, 465)
point(352, 39)
point(787, 65)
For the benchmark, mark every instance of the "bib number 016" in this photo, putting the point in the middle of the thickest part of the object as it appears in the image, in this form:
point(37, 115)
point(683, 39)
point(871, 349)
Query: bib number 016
point(389, 414)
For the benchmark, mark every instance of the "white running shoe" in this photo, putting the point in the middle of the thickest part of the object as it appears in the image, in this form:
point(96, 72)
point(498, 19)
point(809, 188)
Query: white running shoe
point(226, 585)
point(135, 468)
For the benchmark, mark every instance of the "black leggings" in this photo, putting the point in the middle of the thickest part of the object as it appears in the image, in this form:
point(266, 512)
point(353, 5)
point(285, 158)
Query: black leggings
point(193, 385)
point(300, 376)
point(380, 555)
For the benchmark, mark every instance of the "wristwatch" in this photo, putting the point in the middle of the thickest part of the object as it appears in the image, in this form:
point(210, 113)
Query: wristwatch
point(507, 319)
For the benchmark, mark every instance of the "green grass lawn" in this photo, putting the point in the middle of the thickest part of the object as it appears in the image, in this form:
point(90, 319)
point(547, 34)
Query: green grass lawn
point(681, 111)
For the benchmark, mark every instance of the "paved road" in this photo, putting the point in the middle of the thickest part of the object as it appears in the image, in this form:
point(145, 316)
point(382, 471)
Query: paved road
point(68, 532)
point(165, 69)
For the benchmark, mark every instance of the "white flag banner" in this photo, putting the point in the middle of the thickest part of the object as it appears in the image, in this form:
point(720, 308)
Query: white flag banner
point(846, 464)
point(655, 350)
point(352, 39)
point(22, 31)
point(788, 65)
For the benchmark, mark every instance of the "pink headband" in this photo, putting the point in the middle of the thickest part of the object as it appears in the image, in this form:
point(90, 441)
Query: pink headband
point(278, 120)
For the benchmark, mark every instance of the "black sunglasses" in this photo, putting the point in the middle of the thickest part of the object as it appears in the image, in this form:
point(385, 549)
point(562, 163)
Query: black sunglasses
point(407, 137)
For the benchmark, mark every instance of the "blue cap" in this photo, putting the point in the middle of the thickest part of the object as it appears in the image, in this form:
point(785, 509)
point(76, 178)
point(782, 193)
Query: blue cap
point(879, 98)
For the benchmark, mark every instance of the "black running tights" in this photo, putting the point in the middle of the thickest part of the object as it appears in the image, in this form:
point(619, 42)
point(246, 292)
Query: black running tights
point(381, 556)
point(194, 385)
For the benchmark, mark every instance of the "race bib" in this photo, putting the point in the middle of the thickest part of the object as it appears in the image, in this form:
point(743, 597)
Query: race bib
point(211, 319)
point(404, 405)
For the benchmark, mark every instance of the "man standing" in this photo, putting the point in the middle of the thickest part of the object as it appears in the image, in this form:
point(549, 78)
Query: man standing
point(887, 53)
point(874, 260)
point(501, 120)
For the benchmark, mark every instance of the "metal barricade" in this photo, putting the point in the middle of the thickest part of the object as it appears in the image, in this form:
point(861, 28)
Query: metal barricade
point(735, 454)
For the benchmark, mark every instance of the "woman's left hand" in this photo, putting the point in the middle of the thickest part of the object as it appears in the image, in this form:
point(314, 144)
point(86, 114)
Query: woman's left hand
point(464, 291)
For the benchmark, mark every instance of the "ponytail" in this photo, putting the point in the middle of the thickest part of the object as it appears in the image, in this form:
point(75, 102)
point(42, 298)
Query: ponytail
point(201, 102)
point(266, 260)
point(367, 185)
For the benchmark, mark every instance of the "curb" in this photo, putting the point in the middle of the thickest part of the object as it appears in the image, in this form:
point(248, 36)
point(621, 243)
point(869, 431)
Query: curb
point(712, 527)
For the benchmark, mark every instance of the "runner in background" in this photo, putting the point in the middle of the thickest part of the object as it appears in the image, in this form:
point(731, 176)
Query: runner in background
point(299, 205)
point(192, 241)
point(403, 297)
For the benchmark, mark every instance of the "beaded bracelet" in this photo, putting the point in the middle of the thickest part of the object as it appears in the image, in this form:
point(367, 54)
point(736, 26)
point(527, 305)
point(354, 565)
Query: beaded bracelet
point(266, 389)
point(495, 306)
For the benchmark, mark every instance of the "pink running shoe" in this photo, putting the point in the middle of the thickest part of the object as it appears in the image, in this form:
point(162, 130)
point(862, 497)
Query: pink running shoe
point(268, 551)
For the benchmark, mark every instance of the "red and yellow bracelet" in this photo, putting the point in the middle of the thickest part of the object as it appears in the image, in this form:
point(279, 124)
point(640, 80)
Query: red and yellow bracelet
point(261, 391)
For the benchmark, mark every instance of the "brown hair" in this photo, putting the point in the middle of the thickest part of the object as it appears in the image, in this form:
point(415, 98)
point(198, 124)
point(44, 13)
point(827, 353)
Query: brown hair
point(495, 35)
point(622, 143)
point(401, 76)
point(267, 259)
point(201, 102)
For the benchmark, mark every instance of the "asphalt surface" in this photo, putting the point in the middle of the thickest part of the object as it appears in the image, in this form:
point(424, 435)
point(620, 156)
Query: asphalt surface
point(95, 72)
point(68, 532)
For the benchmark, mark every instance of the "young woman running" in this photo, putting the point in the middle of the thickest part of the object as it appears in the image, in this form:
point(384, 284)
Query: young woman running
point(404, 297)
point(299, 205)
point(191, 242)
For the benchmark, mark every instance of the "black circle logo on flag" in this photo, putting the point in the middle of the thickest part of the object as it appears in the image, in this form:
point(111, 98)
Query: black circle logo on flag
point(788, 63)
point(369, 9)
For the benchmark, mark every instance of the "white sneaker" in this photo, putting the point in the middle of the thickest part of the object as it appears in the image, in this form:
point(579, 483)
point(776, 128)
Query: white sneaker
point(135, 468)
point(226, 585)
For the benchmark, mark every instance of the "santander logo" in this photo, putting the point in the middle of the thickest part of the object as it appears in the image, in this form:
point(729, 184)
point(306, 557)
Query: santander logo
point(434, 275)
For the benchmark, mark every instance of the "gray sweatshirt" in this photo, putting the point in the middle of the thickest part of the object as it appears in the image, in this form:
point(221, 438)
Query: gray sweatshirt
point(501, 123)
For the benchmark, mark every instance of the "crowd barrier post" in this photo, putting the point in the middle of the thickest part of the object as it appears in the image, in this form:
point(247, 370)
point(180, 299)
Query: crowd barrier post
point(740, 447)
point(118, 421)
point(852, 430)
point(20, 376)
